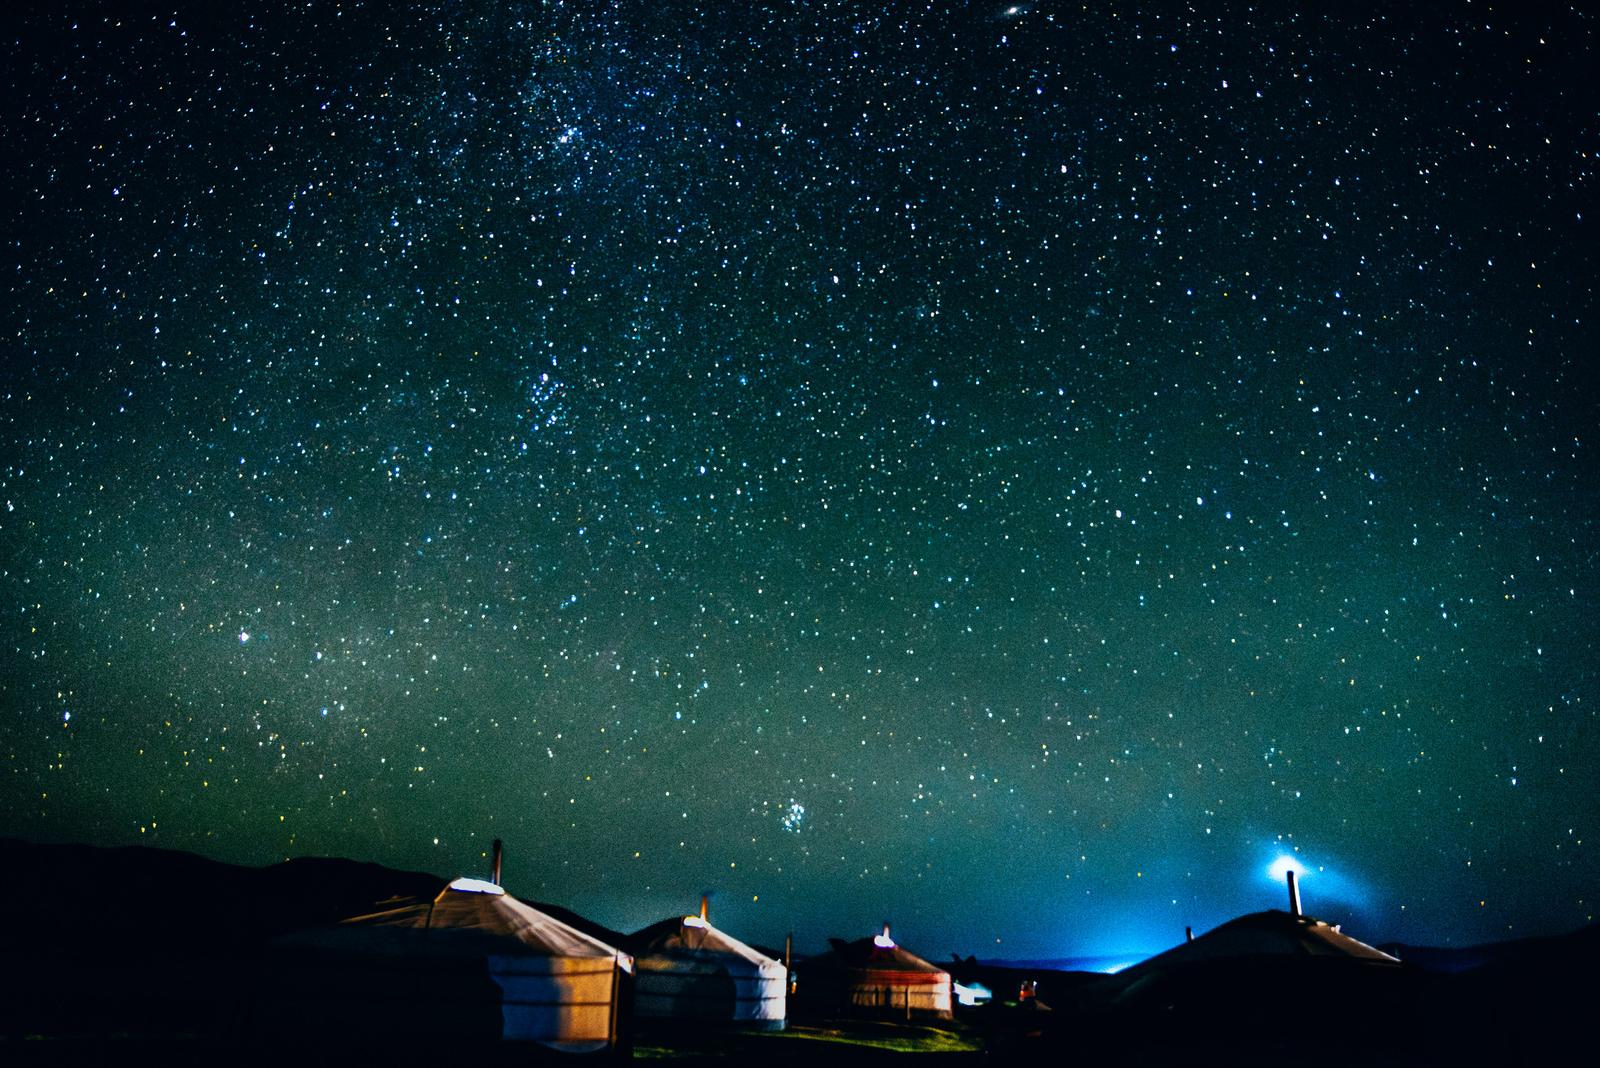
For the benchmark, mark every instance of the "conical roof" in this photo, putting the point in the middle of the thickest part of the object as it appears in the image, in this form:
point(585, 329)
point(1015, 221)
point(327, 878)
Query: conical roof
point(1270, 933)
point(691, 936)
point(880, 953)
point(481, 917)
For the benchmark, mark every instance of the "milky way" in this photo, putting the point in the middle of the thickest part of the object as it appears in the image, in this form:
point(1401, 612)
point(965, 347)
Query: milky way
point(1014, 471)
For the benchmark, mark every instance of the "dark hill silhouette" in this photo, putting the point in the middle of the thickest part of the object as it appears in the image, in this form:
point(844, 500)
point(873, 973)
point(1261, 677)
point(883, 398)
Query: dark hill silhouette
point(140, 941)
point(584, 924)
point(136, 896)
point(1547, 951)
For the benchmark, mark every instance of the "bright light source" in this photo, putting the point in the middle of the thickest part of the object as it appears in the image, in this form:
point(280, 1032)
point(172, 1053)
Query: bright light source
point(693, 921)
point(883, 941)
point(475, 886)
point(971, 994)
point(1279, 869)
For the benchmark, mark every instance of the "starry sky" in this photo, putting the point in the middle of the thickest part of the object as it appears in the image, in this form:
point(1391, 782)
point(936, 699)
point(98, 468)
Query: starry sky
point(1019, 472)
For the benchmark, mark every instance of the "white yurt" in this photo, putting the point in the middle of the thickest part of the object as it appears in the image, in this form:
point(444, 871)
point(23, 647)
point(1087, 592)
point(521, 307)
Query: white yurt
point(689, 971)
point(470, 964)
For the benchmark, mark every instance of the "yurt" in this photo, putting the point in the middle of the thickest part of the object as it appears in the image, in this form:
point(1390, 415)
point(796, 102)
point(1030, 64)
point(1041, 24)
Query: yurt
point(690, 972)
point(470, 964)
point(1275, 981)
point(876, 976)
point(1268, 934)
point(1260, 974)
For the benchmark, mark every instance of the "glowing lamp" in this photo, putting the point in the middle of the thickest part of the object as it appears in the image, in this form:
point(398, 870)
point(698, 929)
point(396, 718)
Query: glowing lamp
point(1279, 869)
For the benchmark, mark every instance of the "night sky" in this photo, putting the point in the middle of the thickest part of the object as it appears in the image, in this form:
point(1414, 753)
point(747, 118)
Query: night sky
point(1017, 472)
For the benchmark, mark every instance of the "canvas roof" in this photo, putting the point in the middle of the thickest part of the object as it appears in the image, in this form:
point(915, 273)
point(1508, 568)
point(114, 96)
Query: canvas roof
point(1270, 933)
point(490, 917)
point(873, 955)
point(692, 936)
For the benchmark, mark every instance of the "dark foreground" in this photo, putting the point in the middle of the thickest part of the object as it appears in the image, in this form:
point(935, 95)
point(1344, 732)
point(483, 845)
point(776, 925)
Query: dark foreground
point(138, 956)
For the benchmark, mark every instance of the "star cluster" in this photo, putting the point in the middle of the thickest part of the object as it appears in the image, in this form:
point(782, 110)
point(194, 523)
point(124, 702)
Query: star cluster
point(1012, 469)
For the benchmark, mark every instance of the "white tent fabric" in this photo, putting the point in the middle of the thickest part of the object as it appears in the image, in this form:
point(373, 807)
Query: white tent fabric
point(552, 984)
point(690, 970)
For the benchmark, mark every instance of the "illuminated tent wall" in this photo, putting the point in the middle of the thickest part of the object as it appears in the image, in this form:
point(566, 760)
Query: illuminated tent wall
point(688, 970)
point(876, 976)
point(472, 964)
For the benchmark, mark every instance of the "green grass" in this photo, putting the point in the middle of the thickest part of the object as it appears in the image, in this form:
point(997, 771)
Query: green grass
point(901, 1038)
point(813, 1039)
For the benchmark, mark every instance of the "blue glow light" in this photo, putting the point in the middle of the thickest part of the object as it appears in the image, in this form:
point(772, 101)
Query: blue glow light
point(1279, 869)
point(1117, 966)
point(1323, 885)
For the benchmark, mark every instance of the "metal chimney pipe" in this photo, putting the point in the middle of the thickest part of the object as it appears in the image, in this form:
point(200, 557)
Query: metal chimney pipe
point(1188, 934)
point(788, 960)
point(499, 854)
point(1294, 896)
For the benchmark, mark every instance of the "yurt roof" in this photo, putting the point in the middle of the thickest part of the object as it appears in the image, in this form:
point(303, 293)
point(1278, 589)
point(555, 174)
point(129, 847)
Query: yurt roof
point(1270, 933)
point(476, 911)
point(881, 953)
point(693, 936)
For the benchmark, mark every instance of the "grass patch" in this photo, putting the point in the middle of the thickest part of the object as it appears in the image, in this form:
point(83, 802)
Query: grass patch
point(813, 1039)
point(908, 1038)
